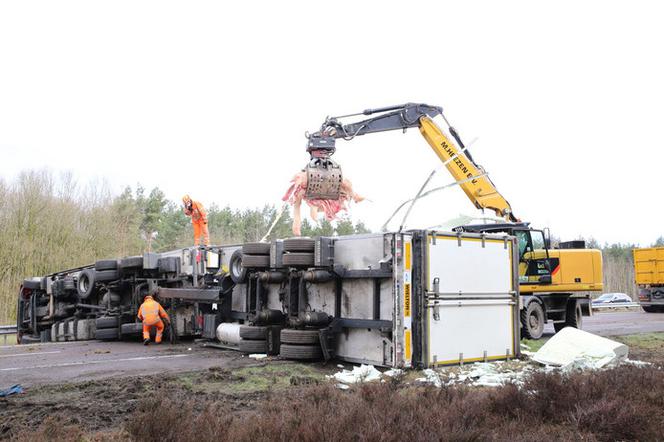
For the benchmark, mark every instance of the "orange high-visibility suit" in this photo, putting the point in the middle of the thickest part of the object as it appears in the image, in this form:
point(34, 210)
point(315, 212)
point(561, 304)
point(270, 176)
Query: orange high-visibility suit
point(198, 215)
point(152, 313)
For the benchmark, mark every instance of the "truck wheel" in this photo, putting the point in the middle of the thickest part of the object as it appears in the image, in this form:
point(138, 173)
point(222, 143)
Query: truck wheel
point(85, 285)
point(289, 336)
point(532, 321)
point(255, 261)
point(649, 309)
point(238, 273)
point(253, 332)
point(298, 259)
point(106, 322)
point(299, 245)
point(256, 248)
point(574, 315)
point(106, 264)
point(131, 328)
point(131, 262)
point(305, 352)
point(251, 346)
point(106, 334)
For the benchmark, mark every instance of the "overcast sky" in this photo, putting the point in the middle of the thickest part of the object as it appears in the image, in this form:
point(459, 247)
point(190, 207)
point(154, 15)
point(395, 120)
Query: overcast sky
point(566, 101)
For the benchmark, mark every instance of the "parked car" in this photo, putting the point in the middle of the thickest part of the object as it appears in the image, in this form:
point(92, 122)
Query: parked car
point(612, 298)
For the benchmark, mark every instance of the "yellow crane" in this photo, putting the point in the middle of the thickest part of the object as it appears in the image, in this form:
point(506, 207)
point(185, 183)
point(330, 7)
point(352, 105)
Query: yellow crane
point(554, 283)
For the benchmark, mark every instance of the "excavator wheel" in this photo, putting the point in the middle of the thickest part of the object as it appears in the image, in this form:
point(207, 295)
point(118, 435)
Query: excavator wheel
point(532, 321)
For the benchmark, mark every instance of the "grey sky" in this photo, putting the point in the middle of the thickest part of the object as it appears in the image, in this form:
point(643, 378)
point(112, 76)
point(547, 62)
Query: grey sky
point(213, 98)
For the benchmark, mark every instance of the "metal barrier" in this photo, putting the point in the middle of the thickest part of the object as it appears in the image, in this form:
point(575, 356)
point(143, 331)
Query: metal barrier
point(6, 330)
point(608, 305)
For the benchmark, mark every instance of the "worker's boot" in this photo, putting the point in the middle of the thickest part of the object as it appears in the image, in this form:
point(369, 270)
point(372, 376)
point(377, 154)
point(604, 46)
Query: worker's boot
point(146, 341)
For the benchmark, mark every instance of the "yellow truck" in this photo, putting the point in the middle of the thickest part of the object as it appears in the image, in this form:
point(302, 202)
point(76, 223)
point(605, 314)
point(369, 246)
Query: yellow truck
point(649, 277)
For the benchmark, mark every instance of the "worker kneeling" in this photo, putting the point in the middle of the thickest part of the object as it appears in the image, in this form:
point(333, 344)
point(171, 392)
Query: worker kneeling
point(151, 314)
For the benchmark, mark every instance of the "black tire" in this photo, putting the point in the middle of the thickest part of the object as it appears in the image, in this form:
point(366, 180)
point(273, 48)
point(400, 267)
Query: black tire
point(33, 284)
point(573, 315)
point(85, 285)
point(298, 259)
point(255, 333)
point(238, 273)
point(106, 322)
point(106, 264)
point(106, 334)
point(252, 346)
point(131, 262)
point(299, 245)
point(650, 309)
point(256, 248)
point(532, 321)
point(132, 328)
point(290, 336)
point(303, 352)
point(107, 275)
point(255, 261)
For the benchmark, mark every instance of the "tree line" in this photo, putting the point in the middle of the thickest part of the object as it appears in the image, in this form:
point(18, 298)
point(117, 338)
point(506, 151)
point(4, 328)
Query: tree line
point(50, 223)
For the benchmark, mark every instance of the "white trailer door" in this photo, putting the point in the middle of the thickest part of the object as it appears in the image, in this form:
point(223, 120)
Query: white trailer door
point(471, 299)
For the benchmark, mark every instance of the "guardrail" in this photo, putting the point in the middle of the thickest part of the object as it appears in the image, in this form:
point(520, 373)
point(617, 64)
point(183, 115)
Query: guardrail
point(6, 330)
point(608, 305)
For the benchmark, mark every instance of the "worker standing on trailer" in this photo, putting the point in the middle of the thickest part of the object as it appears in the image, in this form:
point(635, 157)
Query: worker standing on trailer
point(198, 215)
point(151, 313)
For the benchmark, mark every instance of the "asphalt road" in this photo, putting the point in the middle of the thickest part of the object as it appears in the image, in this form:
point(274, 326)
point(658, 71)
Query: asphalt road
point(91, 360)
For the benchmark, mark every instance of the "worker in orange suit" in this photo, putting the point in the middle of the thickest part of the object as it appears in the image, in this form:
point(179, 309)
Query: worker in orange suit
point(151, 313)
point(198, 215)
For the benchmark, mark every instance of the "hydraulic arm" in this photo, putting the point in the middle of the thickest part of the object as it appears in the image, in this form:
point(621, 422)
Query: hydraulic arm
point(471, 177)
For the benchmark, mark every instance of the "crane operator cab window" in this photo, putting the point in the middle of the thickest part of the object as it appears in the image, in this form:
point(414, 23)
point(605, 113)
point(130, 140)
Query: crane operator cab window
point(534, 267)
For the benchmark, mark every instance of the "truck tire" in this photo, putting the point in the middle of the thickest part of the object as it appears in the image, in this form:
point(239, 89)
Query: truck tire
point(298, 259)
point(532, 321)
point(106, 264)
point(106, 334)
point(290, 336)
point(85, 285)
point(132, 328)
point(650, 309)
point(256, 248)
point(573, 316)
point(252, 346)
point(255, 261)
point(106, 322)
point(238, 273)
point(33, 284)
point(302, 352)
point(106, 275)
point(252, 332)
point(299, 245)
point(131, 262)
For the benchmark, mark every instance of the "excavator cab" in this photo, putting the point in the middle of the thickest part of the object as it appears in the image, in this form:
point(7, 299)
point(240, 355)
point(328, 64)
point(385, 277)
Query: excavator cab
point(324, 176)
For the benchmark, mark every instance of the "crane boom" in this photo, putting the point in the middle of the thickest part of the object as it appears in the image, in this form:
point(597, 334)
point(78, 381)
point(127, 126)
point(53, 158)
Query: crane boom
point(471, 177)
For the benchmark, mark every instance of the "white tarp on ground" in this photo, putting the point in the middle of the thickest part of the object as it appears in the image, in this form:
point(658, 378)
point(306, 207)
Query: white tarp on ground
point(363, 373)
point(573, 348)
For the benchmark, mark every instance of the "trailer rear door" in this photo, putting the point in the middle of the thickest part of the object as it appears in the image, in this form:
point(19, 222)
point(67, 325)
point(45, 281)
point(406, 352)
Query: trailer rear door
point(649, 266)
point(471, 299)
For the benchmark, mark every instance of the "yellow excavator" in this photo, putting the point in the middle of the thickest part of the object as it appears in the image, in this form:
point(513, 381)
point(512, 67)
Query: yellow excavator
point(555, 283)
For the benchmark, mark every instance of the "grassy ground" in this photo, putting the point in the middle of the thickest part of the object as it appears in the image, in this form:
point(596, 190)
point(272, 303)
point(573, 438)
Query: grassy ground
point(10, 340)
point(292, 401)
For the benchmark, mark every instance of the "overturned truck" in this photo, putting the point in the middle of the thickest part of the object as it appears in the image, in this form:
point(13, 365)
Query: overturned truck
point(407, 299)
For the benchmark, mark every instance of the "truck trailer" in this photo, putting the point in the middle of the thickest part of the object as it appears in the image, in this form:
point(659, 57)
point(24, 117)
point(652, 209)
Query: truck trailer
point(649, 278)
point(416, 298)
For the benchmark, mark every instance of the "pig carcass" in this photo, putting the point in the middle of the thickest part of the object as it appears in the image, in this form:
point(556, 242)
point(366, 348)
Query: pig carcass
point(330, 207)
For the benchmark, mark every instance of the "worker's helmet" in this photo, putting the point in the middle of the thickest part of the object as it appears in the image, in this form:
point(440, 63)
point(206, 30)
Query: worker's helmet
point(186, 199)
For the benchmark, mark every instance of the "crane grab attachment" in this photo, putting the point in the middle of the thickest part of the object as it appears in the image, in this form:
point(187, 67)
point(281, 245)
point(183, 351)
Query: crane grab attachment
point(472, 177)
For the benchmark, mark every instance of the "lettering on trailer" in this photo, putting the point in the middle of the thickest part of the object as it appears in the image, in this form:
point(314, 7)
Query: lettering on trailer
point(406, 300)
point(448, 149)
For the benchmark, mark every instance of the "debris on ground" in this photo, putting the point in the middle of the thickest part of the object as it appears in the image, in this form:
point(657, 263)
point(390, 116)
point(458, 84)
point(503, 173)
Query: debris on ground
point(363, 373)
point(572, 348)
point(394, 372)
point(14, 389)
point(258, 356)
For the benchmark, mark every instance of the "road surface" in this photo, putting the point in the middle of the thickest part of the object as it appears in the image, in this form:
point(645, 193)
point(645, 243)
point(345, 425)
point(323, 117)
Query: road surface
point(91, 360)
